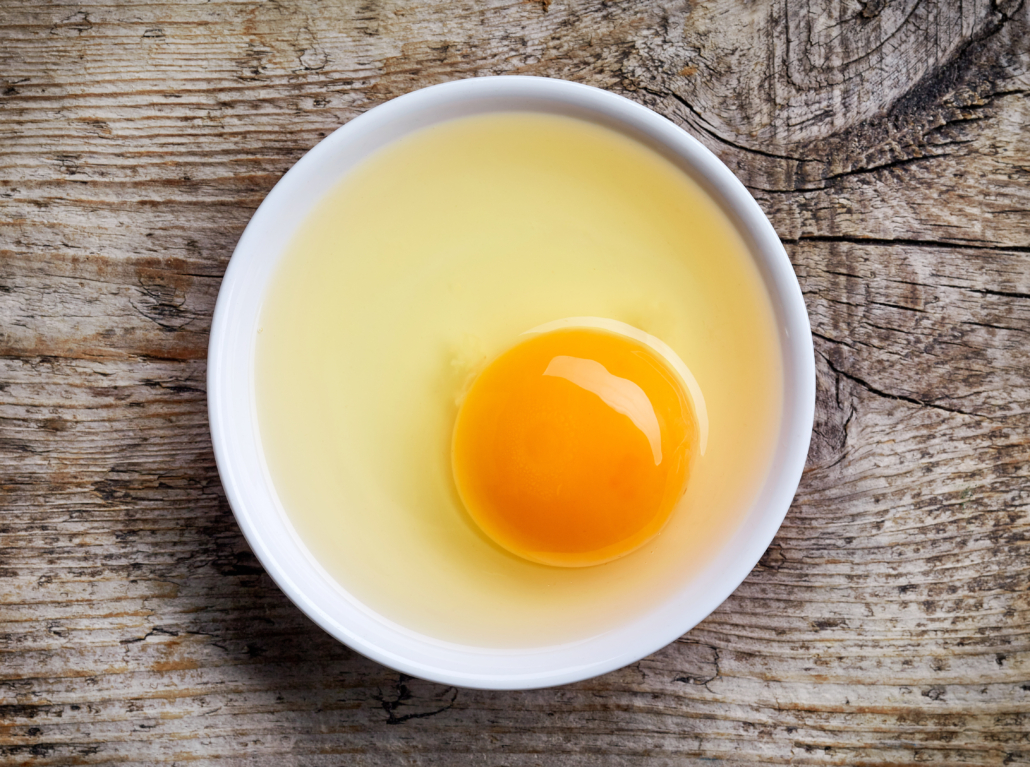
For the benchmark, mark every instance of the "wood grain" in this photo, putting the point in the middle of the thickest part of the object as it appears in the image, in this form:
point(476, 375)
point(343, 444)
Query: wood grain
point(889, 623)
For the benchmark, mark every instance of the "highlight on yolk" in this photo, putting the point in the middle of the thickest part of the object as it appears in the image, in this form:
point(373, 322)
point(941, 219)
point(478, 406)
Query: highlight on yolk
point(573, 447)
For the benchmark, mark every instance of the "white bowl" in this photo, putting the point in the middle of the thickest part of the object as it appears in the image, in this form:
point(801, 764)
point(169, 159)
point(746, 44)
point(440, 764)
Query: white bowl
point(234, 428)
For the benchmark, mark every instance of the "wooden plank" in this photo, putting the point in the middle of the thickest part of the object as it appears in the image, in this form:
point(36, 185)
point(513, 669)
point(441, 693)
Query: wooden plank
point(889, 623)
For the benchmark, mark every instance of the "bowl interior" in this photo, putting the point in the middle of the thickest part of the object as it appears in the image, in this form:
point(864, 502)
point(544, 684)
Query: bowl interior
point(237, 441)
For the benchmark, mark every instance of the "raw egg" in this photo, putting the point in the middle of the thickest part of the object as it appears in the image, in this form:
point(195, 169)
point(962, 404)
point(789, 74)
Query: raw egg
point(401, 309)
point(573, 447)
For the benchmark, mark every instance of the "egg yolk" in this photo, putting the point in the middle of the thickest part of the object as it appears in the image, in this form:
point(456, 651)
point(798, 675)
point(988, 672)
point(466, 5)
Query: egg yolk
point(573, 447)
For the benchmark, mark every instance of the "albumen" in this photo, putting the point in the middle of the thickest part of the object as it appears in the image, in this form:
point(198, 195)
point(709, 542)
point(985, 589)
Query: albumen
point(429, 260)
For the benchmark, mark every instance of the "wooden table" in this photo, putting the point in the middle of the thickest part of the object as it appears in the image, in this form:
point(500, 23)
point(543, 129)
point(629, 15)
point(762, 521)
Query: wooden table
point(887, 140)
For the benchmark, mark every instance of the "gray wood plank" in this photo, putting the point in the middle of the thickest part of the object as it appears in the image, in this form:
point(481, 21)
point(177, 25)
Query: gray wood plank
point(889, 623)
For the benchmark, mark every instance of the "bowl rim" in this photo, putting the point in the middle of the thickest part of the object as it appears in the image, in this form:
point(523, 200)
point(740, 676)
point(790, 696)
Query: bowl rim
point(230, 392)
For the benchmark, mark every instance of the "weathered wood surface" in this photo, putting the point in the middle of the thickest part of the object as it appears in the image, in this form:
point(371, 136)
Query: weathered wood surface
point(887, 139)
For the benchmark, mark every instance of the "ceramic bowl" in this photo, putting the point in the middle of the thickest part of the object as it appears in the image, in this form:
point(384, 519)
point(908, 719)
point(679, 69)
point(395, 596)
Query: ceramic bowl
point(234, 428)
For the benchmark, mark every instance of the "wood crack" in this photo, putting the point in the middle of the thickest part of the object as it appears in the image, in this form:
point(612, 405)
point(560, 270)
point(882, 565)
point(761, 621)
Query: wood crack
point(710, 130)
point(893, 242)
point(888, 395)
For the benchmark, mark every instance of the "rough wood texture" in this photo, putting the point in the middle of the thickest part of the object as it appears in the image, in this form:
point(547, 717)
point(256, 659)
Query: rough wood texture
point(887, 139)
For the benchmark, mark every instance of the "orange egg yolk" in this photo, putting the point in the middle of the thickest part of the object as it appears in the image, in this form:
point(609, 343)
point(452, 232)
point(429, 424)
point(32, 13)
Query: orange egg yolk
point(573, 447)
